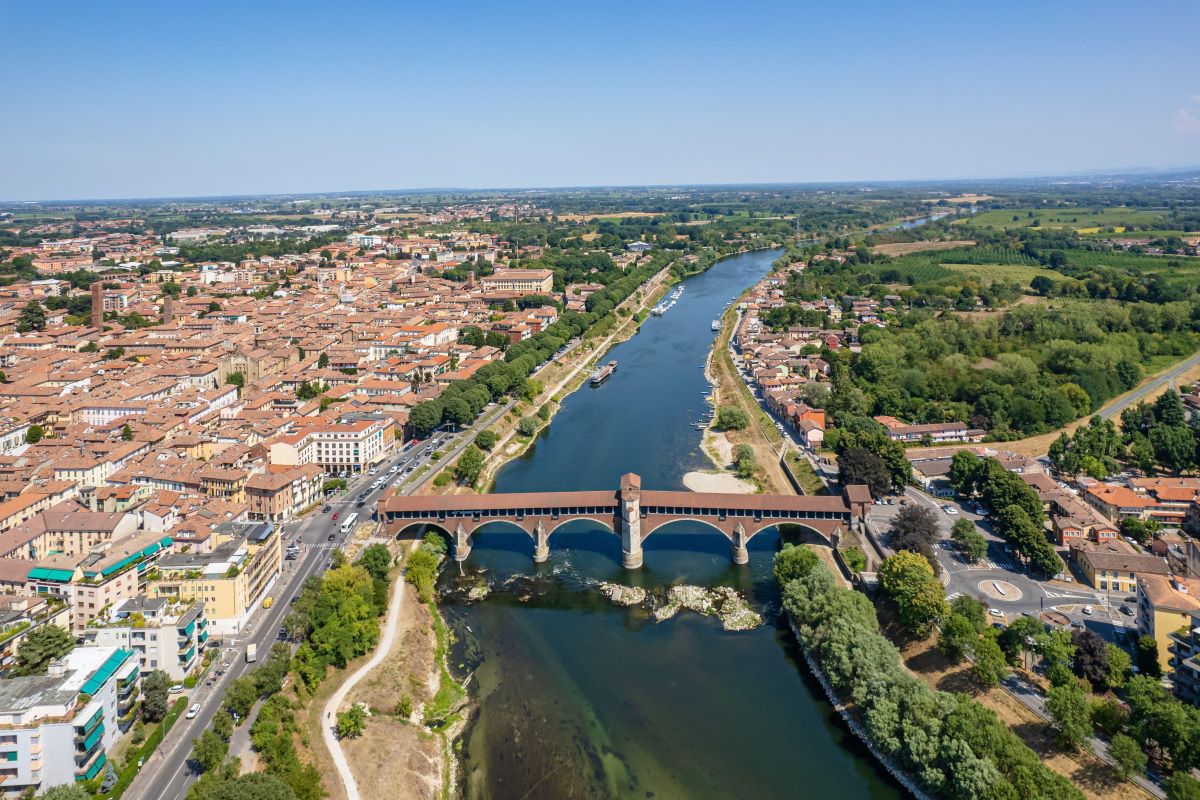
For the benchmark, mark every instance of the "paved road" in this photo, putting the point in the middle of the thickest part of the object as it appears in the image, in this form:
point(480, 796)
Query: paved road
point(1166, 378)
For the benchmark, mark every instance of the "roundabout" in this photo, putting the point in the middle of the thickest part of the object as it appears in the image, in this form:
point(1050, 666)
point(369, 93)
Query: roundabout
point(1000, 590)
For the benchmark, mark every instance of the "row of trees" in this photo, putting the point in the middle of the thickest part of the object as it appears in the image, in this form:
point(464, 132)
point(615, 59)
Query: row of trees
point(1154, 437)
point(952, 745)
point(1017, 510)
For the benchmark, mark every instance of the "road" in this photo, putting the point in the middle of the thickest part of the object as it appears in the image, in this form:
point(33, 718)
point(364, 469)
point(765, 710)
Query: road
point(1158, 382)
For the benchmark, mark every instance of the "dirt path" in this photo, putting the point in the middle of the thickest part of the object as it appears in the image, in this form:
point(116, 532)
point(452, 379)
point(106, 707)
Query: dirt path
point(335, 701)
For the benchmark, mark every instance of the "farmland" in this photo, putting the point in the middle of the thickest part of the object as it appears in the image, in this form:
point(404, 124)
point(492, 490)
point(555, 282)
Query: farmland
point(990, 273)
point(1118, 218)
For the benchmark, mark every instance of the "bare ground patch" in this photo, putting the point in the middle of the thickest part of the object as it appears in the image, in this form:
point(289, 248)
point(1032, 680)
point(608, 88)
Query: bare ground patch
point(904, 248)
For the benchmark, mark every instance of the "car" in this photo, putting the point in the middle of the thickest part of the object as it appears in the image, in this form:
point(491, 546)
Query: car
point(326, 509)
point(951, 510)
point(891, 501)
point(176, 689)
point(295, 599)
point(373, 470)
point(360, 503)
point(393, 469)
point(1076, 623)
point(1127, 611)
point(995, 612)
point(336, 515)
point(193, 711)
point(331, 537)
point(411, 467)
point(1088, 610)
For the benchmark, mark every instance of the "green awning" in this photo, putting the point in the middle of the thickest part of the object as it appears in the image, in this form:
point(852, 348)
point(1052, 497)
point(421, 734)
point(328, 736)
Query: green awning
point(93, 769)
point(110, 665)
point(47, 574)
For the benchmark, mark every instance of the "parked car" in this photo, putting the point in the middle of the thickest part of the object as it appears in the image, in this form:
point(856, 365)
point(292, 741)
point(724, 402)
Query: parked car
point(176, 689)
point(326, 509)
point(1127, 611)
point(1088, 610)
point(951, 510)
point(193, 711)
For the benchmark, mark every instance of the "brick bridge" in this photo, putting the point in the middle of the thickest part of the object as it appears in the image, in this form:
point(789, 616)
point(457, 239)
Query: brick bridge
point(630, 512)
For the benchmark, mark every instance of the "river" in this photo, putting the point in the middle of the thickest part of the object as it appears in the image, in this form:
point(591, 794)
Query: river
point(577, 698)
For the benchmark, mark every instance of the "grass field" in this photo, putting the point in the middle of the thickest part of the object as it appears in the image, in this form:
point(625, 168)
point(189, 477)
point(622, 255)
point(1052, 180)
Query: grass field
point(990, 273)
point(905, 248)
point(1134, 262)
point(1073, 218)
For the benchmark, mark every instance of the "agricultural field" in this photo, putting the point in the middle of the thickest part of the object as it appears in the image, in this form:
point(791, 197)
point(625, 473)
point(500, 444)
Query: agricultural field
point(1134, 262)
point(896, 249)
point(1074, 218)
point(990, 273)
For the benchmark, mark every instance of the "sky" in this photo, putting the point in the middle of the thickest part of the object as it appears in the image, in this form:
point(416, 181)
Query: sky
point(141, 98)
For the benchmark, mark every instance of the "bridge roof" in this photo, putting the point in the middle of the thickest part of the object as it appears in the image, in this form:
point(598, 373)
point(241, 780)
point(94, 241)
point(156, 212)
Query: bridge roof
point(503, 500)
point(764, 502)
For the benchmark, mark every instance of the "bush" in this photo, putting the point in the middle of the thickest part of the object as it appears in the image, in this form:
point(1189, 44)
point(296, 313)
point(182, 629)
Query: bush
point(732, 418)
point(528, 426)
point(485, 440)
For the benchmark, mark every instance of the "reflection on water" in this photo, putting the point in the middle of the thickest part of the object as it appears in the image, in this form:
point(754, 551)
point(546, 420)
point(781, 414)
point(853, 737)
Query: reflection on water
point(578, 698)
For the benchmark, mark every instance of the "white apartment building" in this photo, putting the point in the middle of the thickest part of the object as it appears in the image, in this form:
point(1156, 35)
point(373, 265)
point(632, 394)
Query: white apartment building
point(352, 444)
point(57, 728)
point(163, 635)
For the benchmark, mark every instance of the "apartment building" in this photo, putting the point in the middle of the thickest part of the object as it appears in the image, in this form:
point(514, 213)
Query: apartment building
point(163, 635)
point(230, 580)
point(352, 444)
point(282, 493)
point(1165, 606)
point(21, 615)
point(58, 728)
point(65, 529)
point(1111, 570)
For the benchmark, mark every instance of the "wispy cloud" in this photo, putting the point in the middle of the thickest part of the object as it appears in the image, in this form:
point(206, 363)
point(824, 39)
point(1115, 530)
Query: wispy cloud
point(1187, 118)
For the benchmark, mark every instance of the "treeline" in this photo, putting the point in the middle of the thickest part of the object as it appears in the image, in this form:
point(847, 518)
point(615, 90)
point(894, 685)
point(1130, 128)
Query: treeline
point(463, 401)
point(951, 745)
point(1033, 370)
point(1018, 515)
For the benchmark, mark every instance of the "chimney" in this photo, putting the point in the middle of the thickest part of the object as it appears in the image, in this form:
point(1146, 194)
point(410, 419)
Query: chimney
point(98, 305)
point(168, 313)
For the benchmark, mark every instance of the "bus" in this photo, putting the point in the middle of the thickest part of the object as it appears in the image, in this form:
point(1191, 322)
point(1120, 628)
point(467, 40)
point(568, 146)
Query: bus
point(348, 525)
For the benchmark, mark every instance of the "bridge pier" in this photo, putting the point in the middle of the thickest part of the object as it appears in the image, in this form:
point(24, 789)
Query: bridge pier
point(462, 543)
point(631, 521)
point(737, 546)
point(541, 543)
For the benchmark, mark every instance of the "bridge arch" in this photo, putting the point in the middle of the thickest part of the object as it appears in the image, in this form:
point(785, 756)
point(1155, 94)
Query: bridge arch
point(823, 537)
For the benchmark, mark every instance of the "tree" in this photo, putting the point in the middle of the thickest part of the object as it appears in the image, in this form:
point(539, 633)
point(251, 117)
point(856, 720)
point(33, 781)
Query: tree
point(919, 596)
point(744, 462)
point(1068, 708)
point(527, 426)
point(732, 418)
point(990, 665)
point(469, 465)
point(425, 417)
point(1146, 657)
point(794, 562)
point(323, 361)
point(41, 646)
point(1169, 410)
point(32, 318)
point(376, 560)
point(965, 468)
point(1119, 667)
point(351, 722)
point(66, 791)
point(1182, 786)
point(126, 433)
point(1174, 446)
point(35, 434)
point(236, 379)
point(1127, 756)
point(457, 412)
point(154, 696)
point(915, 528)
point(858, 466)
point(209, 751)
point(969, 540)
point(958, 638)
point(485, 439)
point(1091, 657)
point(253, 786)
point(972, 609)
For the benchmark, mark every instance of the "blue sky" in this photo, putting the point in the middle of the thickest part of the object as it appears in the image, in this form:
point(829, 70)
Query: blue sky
point(146, 99)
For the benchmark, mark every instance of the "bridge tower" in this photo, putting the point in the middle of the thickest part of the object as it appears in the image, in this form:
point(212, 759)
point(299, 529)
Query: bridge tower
point(741, 555)
point(462, 543)
point(541, 543)
point(631, 520)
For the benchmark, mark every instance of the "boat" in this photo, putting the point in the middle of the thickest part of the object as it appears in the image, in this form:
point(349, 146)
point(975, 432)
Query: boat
point(659, 310)
point(716, 324)
point(601, 375)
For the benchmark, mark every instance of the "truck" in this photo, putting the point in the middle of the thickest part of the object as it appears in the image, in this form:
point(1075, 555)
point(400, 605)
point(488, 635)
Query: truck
point(251, 653)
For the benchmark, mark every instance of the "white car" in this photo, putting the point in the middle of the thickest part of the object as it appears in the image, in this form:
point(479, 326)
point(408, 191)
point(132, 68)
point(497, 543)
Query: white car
point(995, 612)
point(176, 689)
point(1088, 610)
point(193, 711)
point(951, 510)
